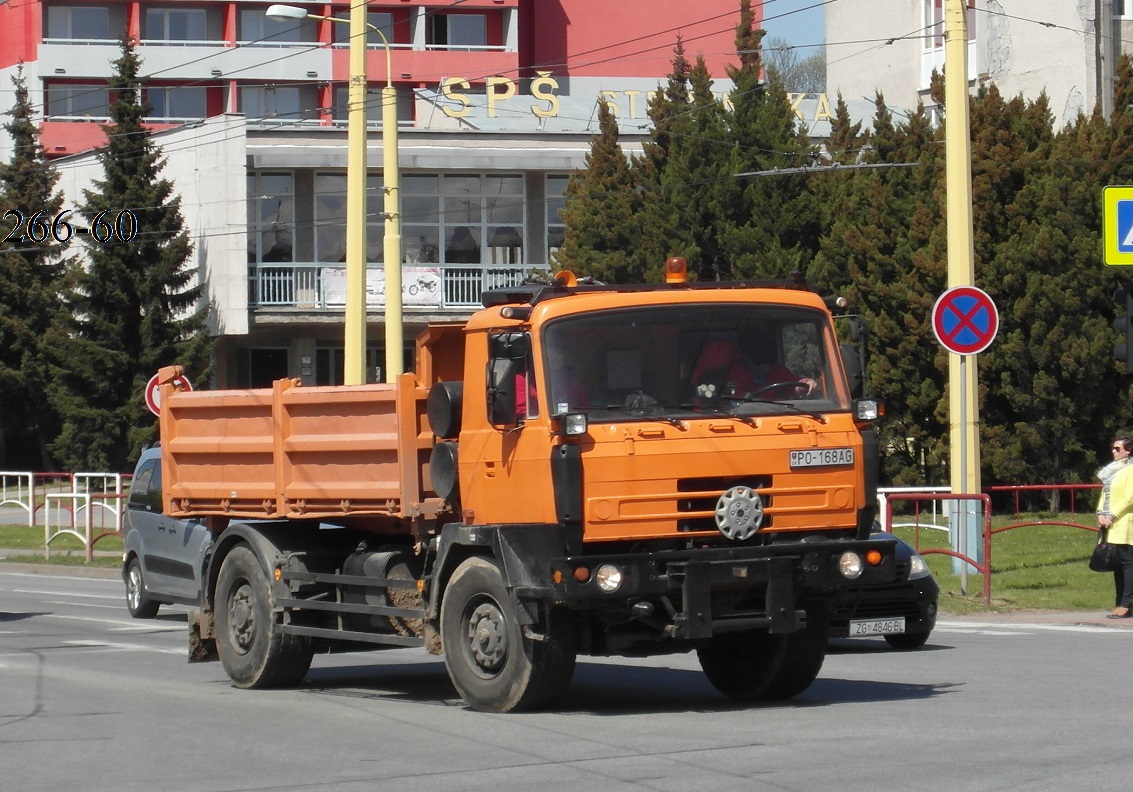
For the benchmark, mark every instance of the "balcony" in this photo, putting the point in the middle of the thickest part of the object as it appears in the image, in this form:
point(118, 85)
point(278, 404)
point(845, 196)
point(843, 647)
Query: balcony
point(317, 286)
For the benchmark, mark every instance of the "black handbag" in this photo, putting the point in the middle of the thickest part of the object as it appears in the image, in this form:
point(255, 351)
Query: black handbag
point(1104, 558)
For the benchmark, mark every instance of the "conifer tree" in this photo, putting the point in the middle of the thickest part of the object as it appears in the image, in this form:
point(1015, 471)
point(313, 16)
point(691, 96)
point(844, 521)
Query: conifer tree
point(136, 307)
point(670, 112)
point(32, 273)
point(600, 209)
point(774, 226)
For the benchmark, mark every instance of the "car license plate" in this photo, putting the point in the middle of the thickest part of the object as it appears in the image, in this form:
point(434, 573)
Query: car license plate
point(865, 627)
point(822, 457)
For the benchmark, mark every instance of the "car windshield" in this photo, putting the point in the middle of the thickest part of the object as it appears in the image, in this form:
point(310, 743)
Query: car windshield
point(677, 362)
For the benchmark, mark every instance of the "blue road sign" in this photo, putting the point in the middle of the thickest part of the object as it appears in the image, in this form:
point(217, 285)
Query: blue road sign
point(965, 320)
point(1117, 225)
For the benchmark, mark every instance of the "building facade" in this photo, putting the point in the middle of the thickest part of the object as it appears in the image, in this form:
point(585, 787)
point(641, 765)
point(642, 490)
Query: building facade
point(1067, 48)
point(496, 106)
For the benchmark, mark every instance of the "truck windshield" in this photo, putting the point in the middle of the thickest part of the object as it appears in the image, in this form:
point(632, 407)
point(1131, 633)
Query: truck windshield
point(678, 362)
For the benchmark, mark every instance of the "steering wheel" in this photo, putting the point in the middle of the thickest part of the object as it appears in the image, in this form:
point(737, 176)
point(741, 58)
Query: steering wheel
point(776, 385)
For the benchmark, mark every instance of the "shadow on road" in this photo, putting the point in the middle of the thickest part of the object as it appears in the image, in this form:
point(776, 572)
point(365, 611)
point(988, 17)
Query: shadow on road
point(603, 689)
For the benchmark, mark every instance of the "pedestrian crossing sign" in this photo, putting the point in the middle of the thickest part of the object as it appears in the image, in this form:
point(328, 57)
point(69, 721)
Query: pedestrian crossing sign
point(1117, 225)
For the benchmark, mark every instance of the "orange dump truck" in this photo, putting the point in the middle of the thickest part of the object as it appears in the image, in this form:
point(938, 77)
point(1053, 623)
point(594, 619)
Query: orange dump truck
point(577, 469)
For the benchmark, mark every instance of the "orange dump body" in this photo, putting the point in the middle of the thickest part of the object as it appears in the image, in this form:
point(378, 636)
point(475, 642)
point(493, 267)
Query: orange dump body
point(296, 452)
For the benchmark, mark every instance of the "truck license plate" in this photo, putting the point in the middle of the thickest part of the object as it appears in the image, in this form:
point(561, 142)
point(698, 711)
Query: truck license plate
point(865, 627)
point(822, 457)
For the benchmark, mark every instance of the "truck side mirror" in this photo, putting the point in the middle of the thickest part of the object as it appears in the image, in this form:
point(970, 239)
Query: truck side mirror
point(511, 346)
point(502, 374)
point(851, 359)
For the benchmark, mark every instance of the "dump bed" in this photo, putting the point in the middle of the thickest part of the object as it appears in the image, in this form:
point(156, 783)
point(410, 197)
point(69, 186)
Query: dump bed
point(296, 452)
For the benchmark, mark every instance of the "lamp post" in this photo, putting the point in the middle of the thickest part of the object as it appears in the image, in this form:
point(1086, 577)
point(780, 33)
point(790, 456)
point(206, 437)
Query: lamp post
point(354, 346)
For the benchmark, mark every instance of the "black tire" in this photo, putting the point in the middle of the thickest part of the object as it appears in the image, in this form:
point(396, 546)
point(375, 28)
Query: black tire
point(907, 641)
point(759, 666)
point(253, 651)
point(138, 601)
point(491, 664)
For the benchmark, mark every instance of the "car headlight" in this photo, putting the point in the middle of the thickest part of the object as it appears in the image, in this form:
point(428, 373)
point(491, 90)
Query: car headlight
point(917, 567)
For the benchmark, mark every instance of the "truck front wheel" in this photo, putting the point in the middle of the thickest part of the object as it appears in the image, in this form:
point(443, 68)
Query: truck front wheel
point(490, 662)
point(759, 666)
point(253, 651)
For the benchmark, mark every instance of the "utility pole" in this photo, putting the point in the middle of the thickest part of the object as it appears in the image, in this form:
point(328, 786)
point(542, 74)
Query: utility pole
point(962, 370)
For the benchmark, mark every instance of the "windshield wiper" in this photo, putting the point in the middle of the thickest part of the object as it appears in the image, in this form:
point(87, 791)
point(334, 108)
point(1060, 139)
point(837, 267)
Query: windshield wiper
point(790, 405)
point(747, 419)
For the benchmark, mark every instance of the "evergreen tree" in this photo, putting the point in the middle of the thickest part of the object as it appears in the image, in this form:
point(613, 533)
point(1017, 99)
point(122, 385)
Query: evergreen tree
point(663, 234)
point(698, 184)
point(884, 251)
point(136, 307)
point(31, 280)
point(773, 229)
point(600, 210)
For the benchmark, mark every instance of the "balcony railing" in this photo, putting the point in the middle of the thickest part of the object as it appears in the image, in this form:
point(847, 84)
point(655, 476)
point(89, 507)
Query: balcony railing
point(321, 286)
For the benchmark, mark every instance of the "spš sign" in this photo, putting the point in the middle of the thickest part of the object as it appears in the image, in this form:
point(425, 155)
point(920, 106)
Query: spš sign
point(153, 392)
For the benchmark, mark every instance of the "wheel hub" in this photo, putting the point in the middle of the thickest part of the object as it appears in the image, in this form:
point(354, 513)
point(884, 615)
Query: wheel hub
point(134, 589)
point(487, 637)
point(242, 619)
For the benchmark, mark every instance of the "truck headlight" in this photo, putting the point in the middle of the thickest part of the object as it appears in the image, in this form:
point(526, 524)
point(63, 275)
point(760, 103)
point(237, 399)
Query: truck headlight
point(850, 565)
point(608, 578)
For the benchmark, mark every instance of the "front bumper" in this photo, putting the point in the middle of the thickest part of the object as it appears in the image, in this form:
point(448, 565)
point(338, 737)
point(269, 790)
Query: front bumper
point(707, 591)
point(916, 600)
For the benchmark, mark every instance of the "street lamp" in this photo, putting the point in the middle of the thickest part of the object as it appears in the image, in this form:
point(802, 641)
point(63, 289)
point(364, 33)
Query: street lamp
point(354, 351)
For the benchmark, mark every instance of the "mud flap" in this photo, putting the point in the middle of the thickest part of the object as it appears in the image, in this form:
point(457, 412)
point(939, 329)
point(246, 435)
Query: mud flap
point(202, 637)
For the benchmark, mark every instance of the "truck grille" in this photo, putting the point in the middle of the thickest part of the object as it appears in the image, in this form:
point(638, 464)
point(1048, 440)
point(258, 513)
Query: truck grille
point(705, 492)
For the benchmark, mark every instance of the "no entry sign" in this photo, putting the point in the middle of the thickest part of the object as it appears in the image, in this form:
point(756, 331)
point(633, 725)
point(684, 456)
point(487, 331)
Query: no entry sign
point(965, 320)
point(153, 392)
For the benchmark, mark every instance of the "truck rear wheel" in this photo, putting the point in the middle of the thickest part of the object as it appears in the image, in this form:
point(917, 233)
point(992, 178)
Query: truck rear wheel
point(251, 648)
point(759, 666)
point(490, 662)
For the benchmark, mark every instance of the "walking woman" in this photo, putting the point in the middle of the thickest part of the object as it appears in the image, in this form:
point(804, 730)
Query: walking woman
point(1116, 517)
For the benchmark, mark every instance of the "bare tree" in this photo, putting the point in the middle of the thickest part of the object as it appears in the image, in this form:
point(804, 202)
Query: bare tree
point(798, 74)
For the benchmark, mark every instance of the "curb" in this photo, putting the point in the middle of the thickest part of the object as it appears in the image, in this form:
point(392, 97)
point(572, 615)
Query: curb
point(58, 570)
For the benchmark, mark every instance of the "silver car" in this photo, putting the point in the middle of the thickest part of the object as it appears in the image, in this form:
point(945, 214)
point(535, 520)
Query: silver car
point(163, 557)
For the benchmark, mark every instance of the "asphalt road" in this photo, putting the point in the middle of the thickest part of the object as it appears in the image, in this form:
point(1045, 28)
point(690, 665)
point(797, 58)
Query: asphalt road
point(93, 700)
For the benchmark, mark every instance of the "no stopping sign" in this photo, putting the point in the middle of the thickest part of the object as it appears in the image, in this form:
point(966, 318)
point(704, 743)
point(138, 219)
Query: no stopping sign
point(965, 320)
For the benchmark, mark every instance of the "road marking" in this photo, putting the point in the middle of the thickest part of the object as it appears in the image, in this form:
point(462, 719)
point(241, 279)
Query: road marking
point(57, 593)
point(999, 628)
point(124, 647)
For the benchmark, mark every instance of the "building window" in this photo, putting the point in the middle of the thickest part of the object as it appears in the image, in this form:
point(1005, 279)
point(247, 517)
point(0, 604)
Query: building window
point(257, 28)
point(463, 219)
point(556, 228)
point(457, 31)
point(271, 217)
point(1123, 9)
point(84, 23)
point(420, 218)
point(330, 217)
point(340, 34)
point(340, 105)
point(174, 24)
point(932, 58)
point(934, 23)
point(278, 103)
point(86, 102)
point(178, 102)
